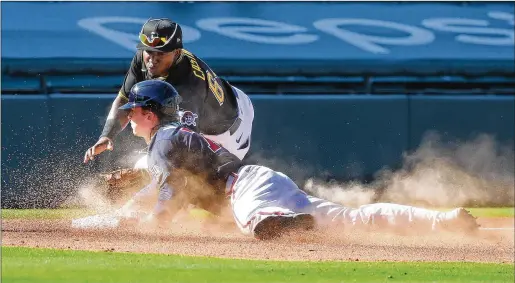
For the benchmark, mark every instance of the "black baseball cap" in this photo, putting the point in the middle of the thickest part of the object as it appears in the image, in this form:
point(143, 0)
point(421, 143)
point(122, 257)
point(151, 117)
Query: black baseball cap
point(161, 35)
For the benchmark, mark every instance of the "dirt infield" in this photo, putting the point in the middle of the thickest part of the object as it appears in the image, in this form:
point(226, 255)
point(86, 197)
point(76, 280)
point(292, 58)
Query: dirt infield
point(208, 240)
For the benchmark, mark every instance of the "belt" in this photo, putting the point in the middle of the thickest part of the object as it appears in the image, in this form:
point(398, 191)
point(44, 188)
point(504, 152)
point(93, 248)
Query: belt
point(229, 186)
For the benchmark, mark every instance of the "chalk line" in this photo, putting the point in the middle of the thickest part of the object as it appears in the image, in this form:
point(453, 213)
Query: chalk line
point(498, 229)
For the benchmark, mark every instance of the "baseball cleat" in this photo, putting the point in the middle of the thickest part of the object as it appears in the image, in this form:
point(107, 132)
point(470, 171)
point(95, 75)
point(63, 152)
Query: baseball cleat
point(464, 222)
point(275, 226)
point(468, 222)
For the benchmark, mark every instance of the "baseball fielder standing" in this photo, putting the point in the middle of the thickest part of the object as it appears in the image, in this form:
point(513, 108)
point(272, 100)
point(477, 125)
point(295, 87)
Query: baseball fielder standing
point(210, 105)
point(265, 203)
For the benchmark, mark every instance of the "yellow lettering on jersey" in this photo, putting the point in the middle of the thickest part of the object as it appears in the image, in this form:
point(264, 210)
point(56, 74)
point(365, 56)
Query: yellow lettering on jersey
point(123, 95)
point(215, 88)
point(194, 65)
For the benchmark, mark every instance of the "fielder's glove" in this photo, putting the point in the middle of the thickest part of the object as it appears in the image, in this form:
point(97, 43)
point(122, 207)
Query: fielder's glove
point(120, 185)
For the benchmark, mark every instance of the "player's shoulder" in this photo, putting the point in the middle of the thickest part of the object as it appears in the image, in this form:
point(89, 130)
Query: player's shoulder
point(173, 132)
point(186, 136)
point(188, 54)
point(167, 132)
point(194, 60)
point(165, 138)
point(184, 131)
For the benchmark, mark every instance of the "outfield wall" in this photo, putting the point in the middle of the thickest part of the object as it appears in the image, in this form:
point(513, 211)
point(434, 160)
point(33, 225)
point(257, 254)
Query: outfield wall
point(268, 38)
point(44, 137)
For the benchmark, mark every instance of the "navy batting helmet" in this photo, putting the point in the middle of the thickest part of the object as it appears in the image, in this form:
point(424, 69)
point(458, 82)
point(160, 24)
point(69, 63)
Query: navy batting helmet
point(154, 93)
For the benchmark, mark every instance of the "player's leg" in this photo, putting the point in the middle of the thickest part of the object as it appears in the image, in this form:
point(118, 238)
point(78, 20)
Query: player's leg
point(391, 216)
point(262, 197)
point(266, 203)
point(237, 139)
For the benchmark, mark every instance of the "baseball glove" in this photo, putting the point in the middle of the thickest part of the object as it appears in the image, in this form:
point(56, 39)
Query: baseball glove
point(120, 185)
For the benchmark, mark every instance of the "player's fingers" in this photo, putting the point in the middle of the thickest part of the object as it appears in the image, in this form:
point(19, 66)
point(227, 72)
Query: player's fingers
point(110, 145)
point(97, 149)
point(87, 155)
point(92, 152)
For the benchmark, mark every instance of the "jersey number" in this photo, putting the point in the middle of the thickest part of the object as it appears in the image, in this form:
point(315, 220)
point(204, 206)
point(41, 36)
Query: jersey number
point(215, 88)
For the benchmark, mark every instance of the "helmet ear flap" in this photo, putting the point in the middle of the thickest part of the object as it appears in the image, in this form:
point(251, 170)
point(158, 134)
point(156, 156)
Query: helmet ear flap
point(170, 106)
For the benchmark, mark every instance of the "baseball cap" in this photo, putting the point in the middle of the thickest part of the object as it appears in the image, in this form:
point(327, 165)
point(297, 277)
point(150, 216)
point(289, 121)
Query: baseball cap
point(161, 35)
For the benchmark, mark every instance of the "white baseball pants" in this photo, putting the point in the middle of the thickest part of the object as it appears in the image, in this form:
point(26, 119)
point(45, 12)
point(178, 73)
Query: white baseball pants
point(258, 192)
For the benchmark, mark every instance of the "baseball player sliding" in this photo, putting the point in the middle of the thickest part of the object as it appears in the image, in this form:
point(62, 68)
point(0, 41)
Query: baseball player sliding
point(265, 203)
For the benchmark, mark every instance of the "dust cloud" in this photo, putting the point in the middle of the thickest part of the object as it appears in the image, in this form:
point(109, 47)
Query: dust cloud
point(91, 196)
point(478, 172)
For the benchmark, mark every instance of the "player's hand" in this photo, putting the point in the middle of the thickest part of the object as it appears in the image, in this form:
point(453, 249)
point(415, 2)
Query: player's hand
point(104, 143)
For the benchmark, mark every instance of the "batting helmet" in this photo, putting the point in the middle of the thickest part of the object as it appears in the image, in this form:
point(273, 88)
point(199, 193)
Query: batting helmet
point(154, 93)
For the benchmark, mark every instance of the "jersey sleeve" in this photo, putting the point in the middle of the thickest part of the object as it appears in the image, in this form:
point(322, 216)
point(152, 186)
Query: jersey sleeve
point(133, 76)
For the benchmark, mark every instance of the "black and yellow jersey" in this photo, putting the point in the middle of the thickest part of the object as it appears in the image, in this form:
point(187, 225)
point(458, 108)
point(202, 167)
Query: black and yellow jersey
point(208, 102)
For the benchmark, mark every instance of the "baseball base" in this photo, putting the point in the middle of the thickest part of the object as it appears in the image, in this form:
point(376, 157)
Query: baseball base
point(99, 221)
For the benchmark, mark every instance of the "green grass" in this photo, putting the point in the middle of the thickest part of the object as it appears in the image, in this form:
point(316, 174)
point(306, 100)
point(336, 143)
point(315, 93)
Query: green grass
point(48, 265)
point(66, 213)
point(44, 213)
point(73, 213)
point(493, 212)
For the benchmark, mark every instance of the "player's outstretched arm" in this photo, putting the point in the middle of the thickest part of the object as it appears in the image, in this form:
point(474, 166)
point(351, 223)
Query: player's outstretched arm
point(116, 121)
point(132, 212)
